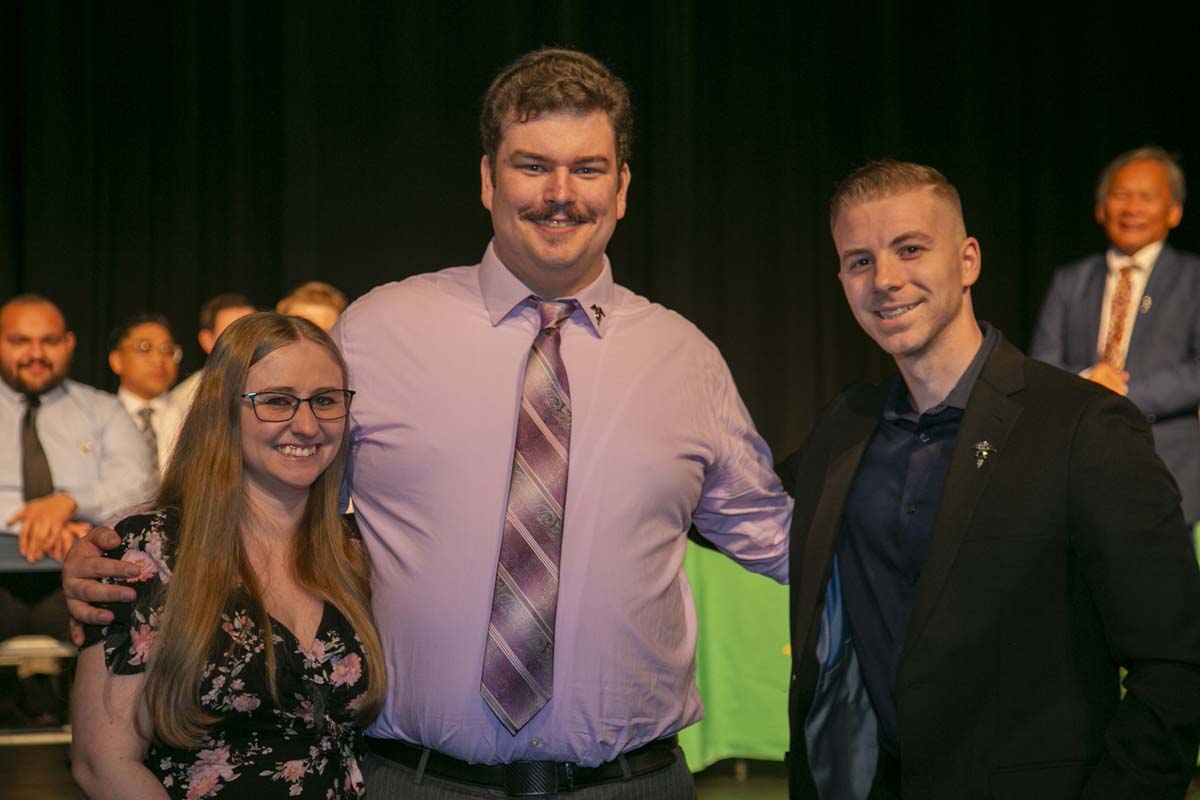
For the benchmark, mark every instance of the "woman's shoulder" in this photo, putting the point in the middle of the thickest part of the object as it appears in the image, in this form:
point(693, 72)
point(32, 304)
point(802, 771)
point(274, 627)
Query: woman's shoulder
point(149, 538)
point(145, 518)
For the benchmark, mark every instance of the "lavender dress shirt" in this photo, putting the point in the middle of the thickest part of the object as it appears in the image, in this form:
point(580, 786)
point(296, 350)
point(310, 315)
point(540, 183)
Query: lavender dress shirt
point(659, 437)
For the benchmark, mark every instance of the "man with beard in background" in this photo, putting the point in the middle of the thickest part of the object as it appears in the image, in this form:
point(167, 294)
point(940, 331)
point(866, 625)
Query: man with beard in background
point(71, 458)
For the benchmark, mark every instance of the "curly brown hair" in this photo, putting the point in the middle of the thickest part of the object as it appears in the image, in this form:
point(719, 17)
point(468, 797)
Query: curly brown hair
point(552, 80)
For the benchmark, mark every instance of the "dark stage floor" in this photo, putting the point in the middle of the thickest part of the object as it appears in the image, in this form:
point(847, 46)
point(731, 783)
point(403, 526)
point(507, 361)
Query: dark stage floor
point(41, 772)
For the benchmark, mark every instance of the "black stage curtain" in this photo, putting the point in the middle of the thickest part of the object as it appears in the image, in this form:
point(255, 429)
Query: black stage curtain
point(156, 154)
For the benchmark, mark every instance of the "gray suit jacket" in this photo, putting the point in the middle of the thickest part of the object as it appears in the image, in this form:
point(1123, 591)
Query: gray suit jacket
point(1164, 351)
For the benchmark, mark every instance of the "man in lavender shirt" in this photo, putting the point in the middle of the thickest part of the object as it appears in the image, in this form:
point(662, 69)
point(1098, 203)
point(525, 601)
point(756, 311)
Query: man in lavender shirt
point(659, 439)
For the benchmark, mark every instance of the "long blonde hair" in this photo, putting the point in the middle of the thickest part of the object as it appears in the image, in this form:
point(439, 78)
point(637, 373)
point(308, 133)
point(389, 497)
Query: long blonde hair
point(203, 483)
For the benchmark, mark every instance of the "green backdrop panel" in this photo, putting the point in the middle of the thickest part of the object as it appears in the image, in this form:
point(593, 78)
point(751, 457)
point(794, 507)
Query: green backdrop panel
point(743, 660)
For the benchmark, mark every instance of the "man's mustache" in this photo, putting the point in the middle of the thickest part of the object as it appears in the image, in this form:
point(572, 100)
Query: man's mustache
point(550, 209)
point(43, 362)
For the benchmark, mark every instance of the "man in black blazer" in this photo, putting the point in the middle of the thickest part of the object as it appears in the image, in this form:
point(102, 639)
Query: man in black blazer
point(1151, 353)
point(977, 545)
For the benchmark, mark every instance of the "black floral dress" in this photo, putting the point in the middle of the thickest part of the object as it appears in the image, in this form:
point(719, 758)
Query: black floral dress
point(305, 747)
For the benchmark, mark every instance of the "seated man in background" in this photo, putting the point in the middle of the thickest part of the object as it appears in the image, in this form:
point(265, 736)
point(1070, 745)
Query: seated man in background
point(1127, 318)
point(215, 316)
point(319, 303)
point(71, 457)
point(144, 356)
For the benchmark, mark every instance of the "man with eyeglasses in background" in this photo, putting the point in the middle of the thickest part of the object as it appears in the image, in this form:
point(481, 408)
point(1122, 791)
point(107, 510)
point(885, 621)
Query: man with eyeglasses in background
point(144, 356)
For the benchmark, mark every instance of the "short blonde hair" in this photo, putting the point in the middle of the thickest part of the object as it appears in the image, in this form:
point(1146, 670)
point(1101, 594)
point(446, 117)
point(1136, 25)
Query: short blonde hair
point(315, 293)
point(879, 180)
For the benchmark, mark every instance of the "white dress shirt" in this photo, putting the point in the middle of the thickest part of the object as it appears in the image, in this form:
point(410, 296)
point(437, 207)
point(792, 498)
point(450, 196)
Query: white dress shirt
point(162, 420)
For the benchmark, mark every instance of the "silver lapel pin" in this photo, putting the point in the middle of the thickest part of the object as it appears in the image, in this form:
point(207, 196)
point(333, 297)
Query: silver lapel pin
point(1147, 301)
point(982, 451)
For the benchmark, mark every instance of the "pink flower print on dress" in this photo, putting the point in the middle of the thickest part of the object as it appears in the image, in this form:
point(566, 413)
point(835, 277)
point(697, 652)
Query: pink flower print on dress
point(144, 562)
point(143, 644)
point(202, 784)
point(245, 703)
point(211, 767)
point(154, 550)
point(216, 757)
point(354, 777)
point(316, 652)
point(292, 771)
point(346, 671)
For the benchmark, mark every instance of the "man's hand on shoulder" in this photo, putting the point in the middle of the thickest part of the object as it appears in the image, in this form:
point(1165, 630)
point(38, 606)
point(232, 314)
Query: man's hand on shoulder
point(85, 564)
point(43, 522)
point(1109, 377)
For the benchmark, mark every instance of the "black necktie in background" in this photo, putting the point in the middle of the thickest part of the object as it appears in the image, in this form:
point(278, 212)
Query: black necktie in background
point(36, 480)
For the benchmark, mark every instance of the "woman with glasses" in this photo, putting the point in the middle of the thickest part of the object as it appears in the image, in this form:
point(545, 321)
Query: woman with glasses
point(249, 660)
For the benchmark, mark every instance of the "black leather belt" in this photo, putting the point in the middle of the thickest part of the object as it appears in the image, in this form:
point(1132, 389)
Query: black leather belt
point(529, 778)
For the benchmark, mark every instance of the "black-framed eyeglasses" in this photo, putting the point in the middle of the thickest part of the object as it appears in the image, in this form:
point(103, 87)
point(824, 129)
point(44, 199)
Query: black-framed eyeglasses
point(281, 406)
point(144, 348)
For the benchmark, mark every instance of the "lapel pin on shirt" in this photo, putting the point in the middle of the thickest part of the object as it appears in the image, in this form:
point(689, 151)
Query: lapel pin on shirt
point(597, 312)
point(85, 446)
point(1147, 301)
point(982, 451)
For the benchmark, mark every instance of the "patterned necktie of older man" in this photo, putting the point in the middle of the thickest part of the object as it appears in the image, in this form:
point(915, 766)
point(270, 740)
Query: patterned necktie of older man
point(518, 662)
point(36, 480)
point(1117, 313)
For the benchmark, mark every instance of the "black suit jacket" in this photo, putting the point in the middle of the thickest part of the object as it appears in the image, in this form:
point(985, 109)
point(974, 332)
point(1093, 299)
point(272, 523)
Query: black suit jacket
point(1059, 557)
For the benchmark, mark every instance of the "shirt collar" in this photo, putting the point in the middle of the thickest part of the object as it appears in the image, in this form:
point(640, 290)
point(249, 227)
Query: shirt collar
point(899, 406)
point(134, 404)
point(19, 398)
point(502, 292)
point(1143, 260)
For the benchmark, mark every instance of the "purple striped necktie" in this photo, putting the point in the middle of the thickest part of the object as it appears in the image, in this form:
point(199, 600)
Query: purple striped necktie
point(518, 663)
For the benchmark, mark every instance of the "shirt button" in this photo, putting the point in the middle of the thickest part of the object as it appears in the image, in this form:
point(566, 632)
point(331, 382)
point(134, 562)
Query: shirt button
point(925, 438)
point(535, 742)
point(910, 508)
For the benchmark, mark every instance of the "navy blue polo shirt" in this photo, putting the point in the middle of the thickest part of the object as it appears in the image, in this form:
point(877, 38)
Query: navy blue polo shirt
point(886, 524)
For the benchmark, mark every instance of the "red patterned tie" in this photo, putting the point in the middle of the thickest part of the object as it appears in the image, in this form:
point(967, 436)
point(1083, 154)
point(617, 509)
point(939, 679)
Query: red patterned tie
point(518, 663)
point(1116, 319)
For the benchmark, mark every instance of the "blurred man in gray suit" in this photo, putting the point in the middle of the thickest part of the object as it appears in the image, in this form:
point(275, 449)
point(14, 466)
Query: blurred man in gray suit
point(1129, 318)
